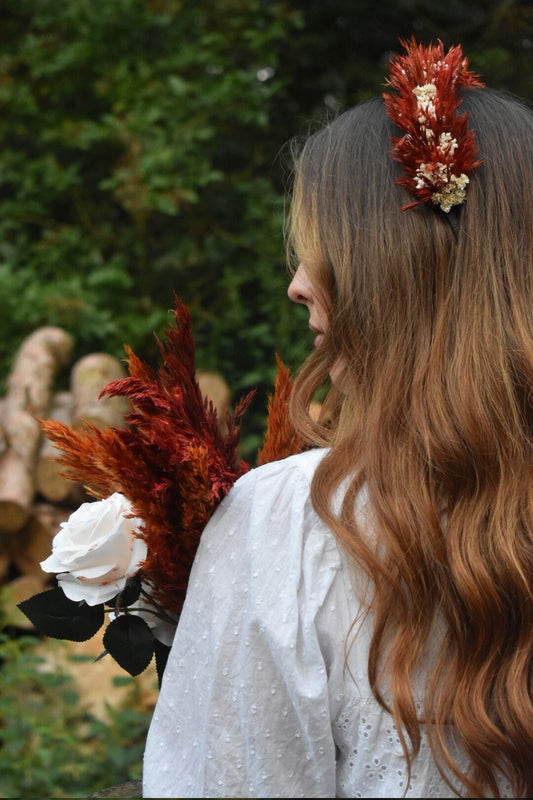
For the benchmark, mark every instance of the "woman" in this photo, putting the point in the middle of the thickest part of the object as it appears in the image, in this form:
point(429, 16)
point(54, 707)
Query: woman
point(359, 619)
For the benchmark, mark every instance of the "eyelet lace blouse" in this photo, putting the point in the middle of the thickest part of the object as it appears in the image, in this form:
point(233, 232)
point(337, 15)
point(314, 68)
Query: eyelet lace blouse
point(256, 700)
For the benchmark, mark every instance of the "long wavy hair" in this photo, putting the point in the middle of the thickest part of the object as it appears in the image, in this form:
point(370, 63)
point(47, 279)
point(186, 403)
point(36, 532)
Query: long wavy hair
point(433, 328)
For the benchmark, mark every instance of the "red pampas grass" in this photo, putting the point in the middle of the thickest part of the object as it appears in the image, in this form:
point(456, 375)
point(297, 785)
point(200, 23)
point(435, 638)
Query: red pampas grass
point(172, 462)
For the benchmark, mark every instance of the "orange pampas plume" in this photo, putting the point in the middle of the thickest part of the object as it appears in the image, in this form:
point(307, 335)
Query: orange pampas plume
point(281, 439)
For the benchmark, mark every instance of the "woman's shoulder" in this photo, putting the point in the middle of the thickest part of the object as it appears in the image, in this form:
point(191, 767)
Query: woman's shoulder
point(275, 492)
point(295, 469)
point(271, 554)
point(269, 512)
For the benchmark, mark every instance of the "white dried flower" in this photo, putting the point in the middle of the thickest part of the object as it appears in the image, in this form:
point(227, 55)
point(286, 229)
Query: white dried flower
point(453, 193)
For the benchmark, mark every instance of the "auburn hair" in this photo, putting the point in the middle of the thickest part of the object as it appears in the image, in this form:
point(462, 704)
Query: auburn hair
point(432, 323)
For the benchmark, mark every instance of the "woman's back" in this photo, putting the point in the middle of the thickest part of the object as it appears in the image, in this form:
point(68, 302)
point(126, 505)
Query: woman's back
point(283, 714)
point(231, 719)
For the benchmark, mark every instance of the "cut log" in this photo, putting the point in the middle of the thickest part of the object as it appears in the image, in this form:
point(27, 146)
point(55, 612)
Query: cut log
point(89, 376)
point(29, 389)
point(51, 516)
point(49, 480)
point(96, 680)
point(315, 410)
point(35, 366)
point(16, 492)
point(15, 592)
point(5, 557)
point(31, 546)
point(24, 436)
point(215, 388)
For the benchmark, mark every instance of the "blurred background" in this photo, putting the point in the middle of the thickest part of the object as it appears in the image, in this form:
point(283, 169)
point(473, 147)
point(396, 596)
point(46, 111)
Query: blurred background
point(144, 152)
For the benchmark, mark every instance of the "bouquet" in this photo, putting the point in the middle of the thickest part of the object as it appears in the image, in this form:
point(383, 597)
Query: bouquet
point(156, 481)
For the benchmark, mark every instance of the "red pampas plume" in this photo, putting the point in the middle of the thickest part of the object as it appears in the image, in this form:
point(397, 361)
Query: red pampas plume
point(172, 462)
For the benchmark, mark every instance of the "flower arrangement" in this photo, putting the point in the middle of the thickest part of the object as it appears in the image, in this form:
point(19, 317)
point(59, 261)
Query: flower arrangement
point(437, 150)
point(156, 481)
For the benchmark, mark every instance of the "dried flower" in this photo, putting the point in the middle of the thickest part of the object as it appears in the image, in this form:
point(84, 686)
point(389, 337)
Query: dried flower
point(169, 468)
point(172, 462)
point(437, 150)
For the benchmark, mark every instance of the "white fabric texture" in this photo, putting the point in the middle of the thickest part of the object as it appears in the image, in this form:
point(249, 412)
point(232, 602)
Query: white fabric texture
point(256, 700)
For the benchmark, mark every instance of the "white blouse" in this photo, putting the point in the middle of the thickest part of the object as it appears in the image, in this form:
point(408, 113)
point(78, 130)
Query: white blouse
point(256, 700)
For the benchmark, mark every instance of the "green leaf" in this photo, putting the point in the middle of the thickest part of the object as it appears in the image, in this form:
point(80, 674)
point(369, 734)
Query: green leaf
point(130, 641)
point(129, 595)
point(53, 614)
point(161, 658)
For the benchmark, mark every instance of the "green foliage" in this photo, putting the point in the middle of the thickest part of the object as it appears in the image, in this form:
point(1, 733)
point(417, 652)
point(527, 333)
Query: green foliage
point(339, 54)
point(141, 153)
point(49, 745)
point(134, 162)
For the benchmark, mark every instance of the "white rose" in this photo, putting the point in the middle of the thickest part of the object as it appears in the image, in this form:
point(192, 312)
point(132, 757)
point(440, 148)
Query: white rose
point(96, 550)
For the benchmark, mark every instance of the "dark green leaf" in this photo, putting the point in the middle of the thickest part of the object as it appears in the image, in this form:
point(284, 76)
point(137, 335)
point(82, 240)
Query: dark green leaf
point(129, 595)
point(161, 658)
point(101, 656)
point(53, 614)
point(130, 641)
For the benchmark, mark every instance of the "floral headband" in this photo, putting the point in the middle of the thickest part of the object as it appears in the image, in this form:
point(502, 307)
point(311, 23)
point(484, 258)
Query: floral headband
point(437, 150)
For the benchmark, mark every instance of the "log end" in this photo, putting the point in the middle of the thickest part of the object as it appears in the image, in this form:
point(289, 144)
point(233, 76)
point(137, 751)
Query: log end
point(13, 516)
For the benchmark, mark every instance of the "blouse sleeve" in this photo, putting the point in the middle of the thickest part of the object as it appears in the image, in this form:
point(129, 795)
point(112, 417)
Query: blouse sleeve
point(254, 675)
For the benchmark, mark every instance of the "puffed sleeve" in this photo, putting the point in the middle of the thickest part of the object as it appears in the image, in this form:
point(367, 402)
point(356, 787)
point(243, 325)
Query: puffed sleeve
point(253, 678)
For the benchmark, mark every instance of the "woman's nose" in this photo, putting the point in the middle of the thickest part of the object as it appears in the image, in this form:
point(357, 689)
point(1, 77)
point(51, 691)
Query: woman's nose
point(299, 290)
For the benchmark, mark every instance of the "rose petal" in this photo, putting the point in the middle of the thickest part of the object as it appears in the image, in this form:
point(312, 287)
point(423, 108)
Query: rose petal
point(93, 594)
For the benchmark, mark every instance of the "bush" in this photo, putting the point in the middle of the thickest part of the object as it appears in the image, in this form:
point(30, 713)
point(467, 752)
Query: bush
point(49, 745)
point(136, 161)
point(140, 154)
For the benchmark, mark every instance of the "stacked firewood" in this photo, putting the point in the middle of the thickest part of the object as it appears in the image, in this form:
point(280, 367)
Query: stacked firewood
point(34, 496)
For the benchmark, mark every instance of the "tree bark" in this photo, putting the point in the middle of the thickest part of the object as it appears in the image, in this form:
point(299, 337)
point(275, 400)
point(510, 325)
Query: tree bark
point(16, 492)
point(34, 369)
